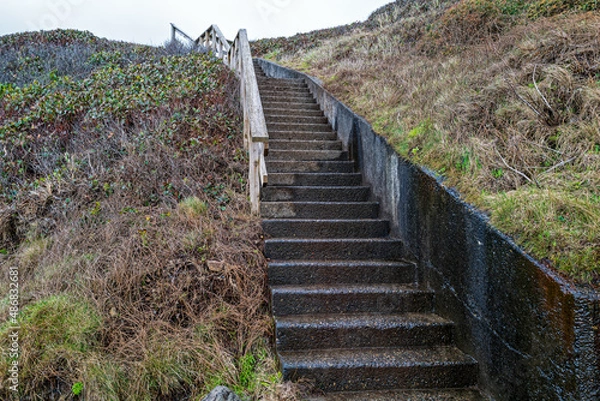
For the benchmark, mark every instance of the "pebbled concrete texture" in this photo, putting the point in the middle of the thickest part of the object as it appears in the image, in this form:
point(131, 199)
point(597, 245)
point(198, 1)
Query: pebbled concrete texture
point(382, 368)
point(535, 335)
point(403, 395)
point(374, 298)
point(340, 272)
point(362, 331)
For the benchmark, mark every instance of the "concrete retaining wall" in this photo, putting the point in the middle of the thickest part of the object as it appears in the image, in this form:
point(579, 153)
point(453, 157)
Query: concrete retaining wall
point(534, 334)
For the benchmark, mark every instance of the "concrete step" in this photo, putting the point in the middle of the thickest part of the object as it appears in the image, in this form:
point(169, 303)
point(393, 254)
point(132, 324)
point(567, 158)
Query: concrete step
point(315, 179)
point(303, 332)
point(287, 96)
point(402, 395)
point(323, 127)
point(323, 229)
point(336, 272)
point(269, 91)
point(346, 298)
point(270, 88)
point(319, 210)
point(291, 119)
point(280, 81)
point(315, 194)
point(286, 144)
point(307, 155)
point(288, 99)
point(381, 368)
point(317, 166)
point(334, 249)
point(268, 82)
point(302, 136)
point(286, 111)
point(274, 104)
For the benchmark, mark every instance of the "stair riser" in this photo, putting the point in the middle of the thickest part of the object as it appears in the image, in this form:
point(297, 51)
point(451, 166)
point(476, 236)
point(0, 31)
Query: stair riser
point(286, 111)
point(264, 88)
point(285, 96)
point(288, 99)
point(333, 250)
point(319, 211)
point(315, 194)
point(302, 136)
point(295, 338)
point(283, 119)
point(267, 82)
point(304, 145)
point(357, 379)
point(307, 155)
point(269, 104)
point(299, 127)
point(343, 167)
point(288, 274)
point(315, 179)
point(325, 230)
point(287, 304)
point(268, 91)
point(402, 395)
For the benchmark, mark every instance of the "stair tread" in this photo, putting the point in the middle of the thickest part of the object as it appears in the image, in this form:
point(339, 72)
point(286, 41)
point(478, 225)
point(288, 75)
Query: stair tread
point(360, 320)
point(303, 141)
point(320, 187)
point(324, 203)
point(326, 221)
point(311, 174)
point(327, 240)
point(387, 288)
point(286, 111)
point(402, 395)
point(341, 358)
point(340, 263)
point(314, 166)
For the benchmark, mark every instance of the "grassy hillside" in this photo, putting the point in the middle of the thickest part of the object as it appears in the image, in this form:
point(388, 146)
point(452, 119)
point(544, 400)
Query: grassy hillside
point(500, 98)
point(123, 212)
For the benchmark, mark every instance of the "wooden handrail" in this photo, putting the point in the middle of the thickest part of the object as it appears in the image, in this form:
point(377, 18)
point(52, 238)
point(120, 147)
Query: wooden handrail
point(212, 40)
point(256, 136)
point(238, 57)
point(175, 31)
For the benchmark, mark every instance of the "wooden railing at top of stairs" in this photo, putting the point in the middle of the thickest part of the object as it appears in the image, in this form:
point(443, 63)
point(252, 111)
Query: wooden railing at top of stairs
point(238, 57)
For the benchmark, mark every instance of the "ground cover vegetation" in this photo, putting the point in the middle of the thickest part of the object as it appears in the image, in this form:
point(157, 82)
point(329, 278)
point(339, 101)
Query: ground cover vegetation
point(123, 208)
point(500, 98)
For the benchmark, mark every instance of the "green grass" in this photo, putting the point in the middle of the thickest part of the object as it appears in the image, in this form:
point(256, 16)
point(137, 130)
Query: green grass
point(57, 334)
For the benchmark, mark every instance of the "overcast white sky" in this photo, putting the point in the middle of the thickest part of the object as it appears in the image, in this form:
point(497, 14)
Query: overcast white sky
point(147, 21)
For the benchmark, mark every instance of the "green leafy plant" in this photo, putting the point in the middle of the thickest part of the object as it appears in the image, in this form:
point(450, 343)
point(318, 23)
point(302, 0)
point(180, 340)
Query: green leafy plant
point(77, 388)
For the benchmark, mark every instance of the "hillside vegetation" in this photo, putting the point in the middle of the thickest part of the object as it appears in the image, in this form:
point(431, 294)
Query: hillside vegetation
point(500, 98)
point(123, 210)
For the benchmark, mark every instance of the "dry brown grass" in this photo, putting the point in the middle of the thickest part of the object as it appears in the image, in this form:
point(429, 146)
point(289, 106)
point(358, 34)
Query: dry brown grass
point(142, 276)
point(511, 107)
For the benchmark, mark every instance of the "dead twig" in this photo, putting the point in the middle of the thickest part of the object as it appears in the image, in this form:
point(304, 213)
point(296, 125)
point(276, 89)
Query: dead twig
point(514, 170)
point(521, 98)
point(539, 92)
point(559, 165)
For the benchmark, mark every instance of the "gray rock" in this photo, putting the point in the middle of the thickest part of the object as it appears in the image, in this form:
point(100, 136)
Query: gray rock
point(222, 394)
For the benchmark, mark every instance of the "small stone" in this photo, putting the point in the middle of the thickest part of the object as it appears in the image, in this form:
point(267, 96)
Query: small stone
point(222, 393)
point(215, 266)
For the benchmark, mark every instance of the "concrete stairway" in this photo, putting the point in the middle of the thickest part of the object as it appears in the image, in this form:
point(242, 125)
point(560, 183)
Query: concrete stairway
point(349, 314)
